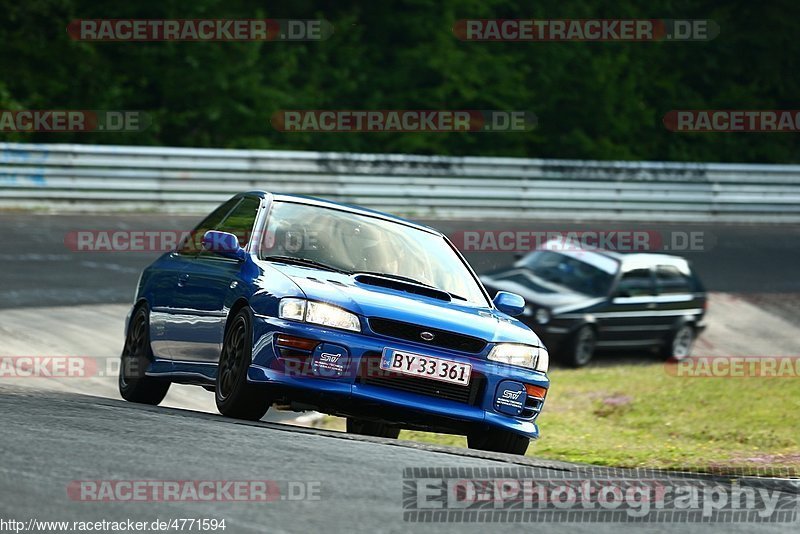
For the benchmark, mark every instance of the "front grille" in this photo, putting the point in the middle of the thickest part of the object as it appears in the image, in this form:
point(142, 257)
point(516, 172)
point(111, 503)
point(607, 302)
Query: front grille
point(371, 374)
point(411, 332)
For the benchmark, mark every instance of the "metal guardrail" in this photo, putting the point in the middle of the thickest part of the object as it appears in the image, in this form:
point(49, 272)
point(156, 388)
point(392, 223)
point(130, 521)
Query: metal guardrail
point(112, 178)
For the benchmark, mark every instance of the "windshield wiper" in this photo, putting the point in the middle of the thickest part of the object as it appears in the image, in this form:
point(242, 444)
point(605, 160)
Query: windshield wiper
point(305, 261)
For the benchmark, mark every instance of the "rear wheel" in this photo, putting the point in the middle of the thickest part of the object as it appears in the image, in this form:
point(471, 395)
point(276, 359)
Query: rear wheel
point(234, 395)
point(679, 344)
point(579, 348)
point(134, 384)
point(370, 428)
point(498, 441)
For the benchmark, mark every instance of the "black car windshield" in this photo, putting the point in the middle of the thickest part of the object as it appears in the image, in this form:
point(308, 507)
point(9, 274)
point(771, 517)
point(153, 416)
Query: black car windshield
point(580, 271)
point(354, 243)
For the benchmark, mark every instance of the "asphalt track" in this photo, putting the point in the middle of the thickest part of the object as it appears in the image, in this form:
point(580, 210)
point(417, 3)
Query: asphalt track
point(50, 440)
point(38, 269)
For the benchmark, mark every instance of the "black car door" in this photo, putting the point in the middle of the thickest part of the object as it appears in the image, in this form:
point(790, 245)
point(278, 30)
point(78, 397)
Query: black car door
point(678, 299)
point(630, 317)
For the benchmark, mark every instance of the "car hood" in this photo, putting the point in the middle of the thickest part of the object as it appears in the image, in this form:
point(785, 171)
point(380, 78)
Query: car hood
point(518, 280)
point(374, 301)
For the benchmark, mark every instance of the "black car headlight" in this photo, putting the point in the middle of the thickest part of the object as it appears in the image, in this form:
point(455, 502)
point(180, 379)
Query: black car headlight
point(528, 356)
point(319, 313)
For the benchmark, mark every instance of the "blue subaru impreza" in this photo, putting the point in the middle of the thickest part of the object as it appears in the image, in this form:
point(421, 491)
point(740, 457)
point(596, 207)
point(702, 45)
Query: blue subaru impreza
point(278, 299)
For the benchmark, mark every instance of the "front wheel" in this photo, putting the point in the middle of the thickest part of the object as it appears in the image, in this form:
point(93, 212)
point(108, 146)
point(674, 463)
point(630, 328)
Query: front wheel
point(134, 384)
point(370, 428)
point(498, 441)
point(679, 344)
point(234, 395)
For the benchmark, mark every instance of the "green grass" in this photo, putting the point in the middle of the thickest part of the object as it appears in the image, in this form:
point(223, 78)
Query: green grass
point(640, 416)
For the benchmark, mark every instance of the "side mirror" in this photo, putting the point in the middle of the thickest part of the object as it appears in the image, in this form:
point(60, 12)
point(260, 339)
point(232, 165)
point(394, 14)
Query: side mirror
point(223, 243)
point(509, 303)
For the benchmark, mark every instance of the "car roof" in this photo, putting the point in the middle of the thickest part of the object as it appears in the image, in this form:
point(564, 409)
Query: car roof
point(628, 260)
point(632, 260)
point(358, 210)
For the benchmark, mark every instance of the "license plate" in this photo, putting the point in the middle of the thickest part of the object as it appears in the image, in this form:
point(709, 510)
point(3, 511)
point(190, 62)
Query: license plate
point(408, 363)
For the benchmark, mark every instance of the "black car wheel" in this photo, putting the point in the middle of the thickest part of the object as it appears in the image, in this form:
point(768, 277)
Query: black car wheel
point(370, 428)
point(580, 347)
point(134, 384)
point(234, 395)
point(679, 344)
point(498, 441)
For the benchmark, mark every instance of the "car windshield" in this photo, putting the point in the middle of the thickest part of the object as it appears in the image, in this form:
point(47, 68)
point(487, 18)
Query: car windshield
point(361, 244)
point(581, 272)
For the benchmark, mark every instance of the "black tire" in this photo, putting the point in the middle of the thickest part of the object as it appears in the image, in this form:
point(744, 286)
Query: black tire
point(134, 384)
point(370, 428)
point(678, 345)
point(498, 441)
point(234, 395)
point(579, 348)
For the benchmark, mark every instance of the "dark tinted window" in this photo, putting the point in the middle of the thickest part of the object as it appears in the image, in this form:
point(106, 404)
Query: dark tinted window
point(241, 219)
point(569, 272)
point(670, 279)
point(194, 242)
point(636, 283)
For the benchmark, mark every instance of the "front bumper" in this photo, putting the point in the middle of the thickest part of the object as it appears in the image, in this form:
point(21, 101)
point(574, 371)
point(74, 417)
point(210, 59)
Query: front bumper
point(358, 387)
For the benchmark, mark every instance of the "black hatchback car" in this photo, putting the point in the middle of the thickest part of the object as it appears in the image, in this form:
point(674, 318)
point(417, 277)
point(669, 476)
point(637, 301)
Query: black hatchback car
point(580, 300)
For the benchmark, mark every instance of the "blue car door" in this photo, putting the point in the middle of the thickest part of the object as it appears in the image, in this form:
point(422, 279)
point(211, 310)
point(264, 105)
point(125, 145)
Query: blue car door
point(207, 282)
point(163, 281)
point(170, 311)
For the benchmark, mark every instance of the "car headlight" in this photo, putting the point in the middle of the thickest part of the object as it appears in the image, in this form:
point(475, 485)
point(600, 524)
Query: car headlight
point(528, 356)
point(542, 316)
point(318, 313)
point(294, 309)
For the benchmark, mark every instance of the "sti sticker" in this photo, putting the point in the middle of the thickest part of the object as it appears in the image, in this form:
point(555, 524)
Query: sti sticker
point(510, 397)
point(329, 360)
